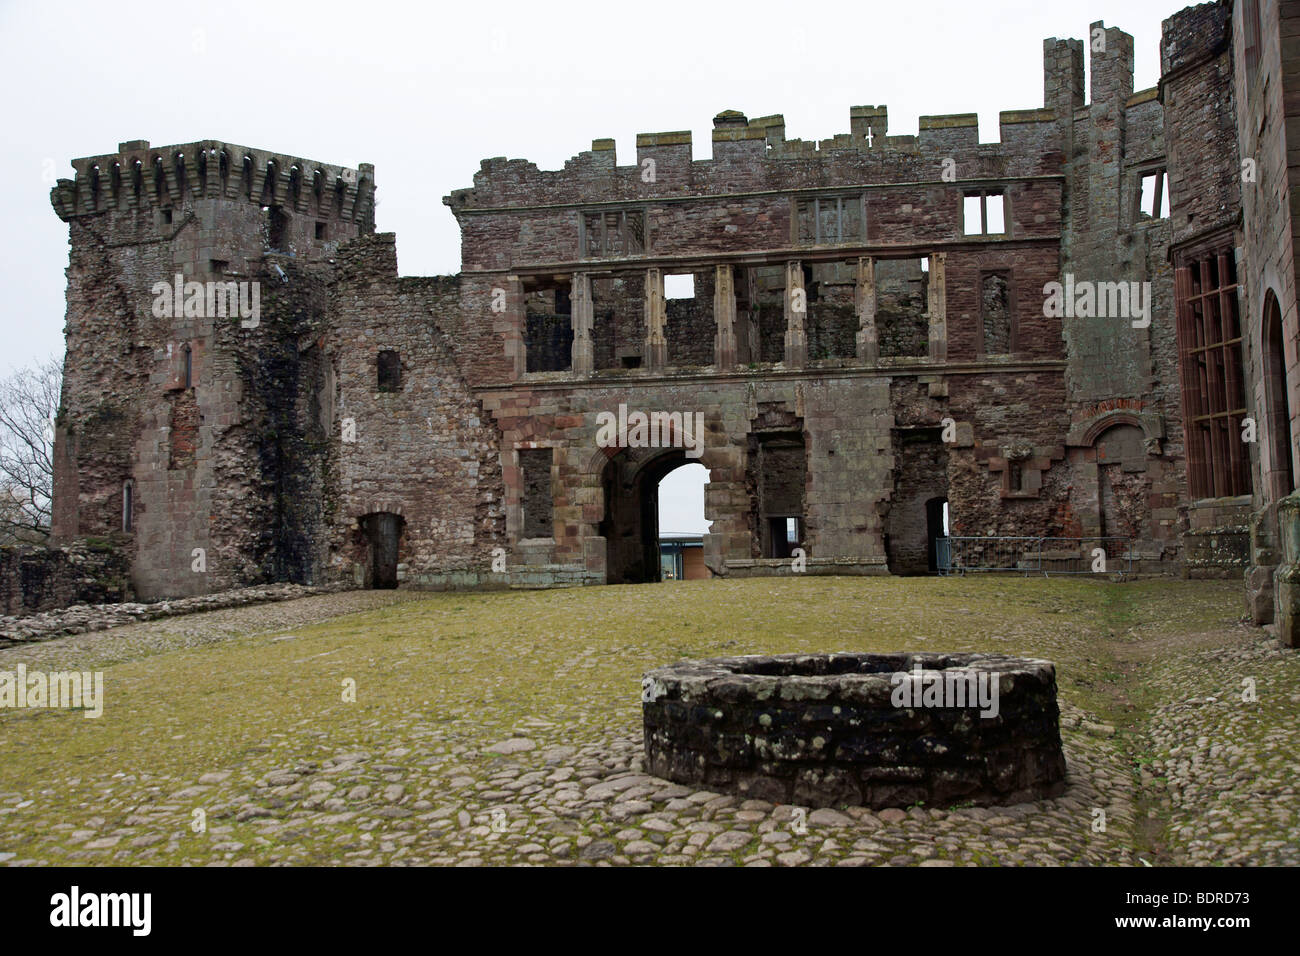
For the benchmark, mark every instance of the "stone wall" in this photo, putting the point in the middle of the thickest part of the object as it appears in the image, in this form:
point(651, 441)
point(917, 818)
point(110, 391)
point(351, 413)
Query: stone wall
point(36, 579)
point(285, 452)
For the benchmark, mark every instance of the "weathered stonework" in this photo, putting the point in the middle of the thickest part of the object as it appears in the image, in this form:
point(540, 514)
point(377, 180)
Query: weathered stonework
point(388, 430)
point(34, 579)
point(827, 730)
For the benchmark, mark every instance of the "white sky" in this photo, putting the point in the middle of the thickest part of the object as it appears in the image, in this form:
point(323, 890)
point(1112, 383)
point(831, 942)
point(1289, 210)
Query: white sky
point(426, 91)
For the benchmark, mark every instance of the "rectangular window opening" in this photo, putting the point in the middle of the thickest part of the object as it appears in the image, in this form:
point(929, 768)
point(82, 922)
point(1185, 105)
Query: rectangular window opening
point(993, 215)
point(679, 287)
point(389, 368)
point(1153, 202)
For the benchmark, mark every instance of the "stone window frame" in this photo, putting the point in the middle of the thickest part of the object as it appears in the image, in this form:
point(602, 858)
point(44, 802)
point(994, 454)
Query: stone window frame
point(1211, 371)
point(1013, 335)
point(984, 193)
point(842, 200)
point(1160, 169)
point(602, 247)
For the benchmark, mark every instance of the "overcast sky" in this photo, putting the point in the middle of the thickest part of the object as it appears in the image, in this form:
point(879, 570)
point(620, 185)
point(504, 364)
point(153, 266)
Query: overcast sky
point(426, 91)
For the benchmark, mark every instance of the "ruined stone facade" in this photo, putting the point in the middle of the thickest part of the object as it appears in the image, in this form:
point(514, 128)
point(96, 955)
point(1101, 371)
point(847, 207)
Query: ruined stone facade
point(868, 335)
point(1227, 75)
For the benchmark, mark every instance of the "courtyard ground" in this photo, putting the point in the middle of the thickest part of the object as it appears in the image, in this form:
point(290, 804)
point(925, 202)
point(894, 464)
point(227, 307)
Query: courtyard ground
point(504, 727)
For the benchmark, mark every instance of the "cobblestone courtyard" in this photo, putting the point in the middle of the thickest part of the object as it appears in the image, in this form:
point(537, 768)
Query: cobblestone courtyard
point(505, 728)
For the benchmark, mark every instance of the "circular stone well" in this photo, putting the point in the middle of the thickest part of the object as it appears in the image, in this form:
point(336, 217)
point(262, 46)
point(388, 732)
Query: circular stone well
point(877, 730)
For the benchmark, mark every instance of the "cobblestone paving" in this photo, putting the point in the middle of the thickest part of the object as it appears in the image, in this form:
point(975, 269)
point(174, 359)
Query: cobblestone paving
point(504, 728)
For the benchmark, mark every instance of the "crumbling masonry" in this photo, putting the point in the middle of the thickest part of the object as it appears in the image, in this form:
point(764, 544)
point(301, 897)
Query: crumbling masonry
point(868, 337)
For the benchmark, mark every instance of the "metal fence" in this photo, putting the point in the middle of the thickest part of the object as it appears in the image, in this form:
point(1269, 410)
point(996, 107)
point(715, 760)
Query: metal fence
point(1108, 555)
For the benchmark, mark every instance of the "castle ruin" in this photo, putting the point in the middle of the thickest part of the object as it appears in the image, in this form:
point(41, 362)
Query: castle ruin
point(869, 335)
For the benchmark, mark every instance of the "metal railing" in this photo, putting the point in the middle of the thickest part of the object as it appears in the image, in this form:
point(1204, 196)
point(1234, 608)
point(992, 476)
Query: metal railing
point(1100, 555)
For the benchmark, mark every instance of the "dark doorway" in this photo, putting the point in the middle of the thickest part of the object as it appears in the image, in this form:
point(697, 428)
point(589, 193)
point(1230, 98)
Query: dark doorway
point(1277, 406)
point(936, 524)
point(920, 492)
point(383, 531)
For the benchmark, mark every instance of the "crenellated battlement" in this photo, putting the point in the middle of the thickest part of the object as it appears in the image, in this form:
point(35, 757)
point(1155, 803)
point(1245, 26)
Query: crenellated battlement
point(755, 153)
point(140, 176)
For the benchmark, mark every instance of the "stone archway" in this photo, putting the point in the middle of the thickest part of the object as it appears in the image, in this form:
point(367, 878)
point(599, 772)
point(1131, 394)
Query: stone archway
point(630, 525)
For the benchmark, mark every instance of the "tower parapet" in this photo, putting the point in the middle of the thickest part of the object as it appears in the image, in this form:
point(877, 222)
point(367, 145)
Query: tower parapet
point(140, 177)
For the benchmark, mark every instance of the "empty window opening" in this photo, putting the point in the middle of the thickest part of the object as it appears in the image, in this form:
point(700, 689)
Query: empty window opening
point(832, 318)
point(535, 495)
point(902, 306)
point(1153, 201)
point(993, 215)
point(189, 367)
point(218, 266)
point(320, 230)
point(167, 217)
point(995, 314)
point(679, 287)
point(631, 361)
point(691, 325)
point(277, 227)
point(389, 366)
point(1015, 476)
point(548, 327)
point(983, 214)
point(128, 505)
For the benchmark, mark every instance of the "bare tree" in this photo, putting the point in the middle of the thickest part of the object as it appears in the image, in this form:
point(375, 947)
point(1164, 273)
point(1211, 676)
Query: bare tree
point(29, 401)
